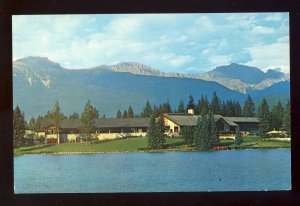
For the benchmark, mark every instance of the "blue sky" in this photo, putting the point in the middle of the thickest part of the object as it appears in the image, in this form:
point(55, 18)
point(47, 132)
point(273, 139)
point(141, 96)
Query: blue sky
point(187, 43)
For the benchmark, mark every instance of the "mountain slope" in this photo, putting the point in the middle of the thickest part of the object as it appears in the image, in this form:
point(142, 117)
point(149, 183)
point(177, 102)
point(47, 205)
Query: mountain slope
point(38, 82)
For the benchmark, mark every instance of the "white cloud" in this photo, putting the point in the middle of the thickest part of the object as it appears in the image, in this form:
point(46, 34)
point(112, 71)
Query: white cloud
point(274, 17)
point(180, 60)
point(263, 30)
point(218, 60)
point(270, 56)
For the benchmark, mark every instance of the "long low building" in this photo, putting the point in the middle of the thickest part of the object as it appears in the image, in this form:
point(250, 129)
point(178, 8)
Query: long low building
point(115, 128)
point(109, 128)
point(175, 122)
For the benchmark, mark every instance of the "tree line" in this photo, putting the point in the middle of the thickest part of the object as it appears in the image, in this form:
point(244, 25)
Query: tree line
point(277, 117)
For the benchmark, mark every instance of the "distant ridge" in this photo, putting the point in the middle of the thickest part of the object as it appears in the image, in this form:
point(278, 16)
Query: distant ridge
point(38, 82)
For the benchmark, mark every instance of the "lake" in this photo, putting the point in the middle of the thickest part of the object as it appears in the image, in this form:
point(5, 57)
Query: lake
point(233, 170)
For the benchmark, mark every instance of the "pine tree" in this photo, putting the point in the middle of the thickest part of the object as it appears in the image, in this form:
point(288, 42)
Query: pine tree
point(287, 119)
point(166, 107)
point(88, 120)
point(212, 130)
point(277, 112)
point(57, 117)
point(75, 115)
point(31, 124)
point(215, 104)
point(264, 118)
point(119, 114)
point(38, 123)
point(155, 133)
point(187, 134)
point(181, 107)
point(238, 138)
point(18, 127)
point(201, 133)
point(191, 104)
point(147, 111)
point(130, 113)
point(237, 109)
point(249, 108)
point(125, 114)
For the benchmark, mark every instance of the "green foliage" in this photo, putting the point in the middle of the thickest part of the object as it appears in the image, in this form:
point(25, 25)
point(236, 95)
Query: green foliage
point(119, 114)
point(202, 106)
point(166, 107)
point(88, 120)
point(205, 133)
point(287, 119)
point(156, 137)
point(75, 115)
point(277, 112)
point(249, 108)
point(31, 124)
point(187, 134)
point(191, 104)
point(215, 104)
point(264, 116)
point(238, 137)
point(181, 107)
point(57, 117)
point(18, 127)
point(125, 114)
point(130, 113)
point(147, 111)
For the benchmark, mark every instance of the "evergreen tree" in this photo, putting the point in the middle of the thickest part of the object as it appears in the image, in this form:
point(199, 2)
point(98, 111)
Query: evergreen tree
point(147, 111)
point(212, 130)
point(249, 108)
point(200, 133)
point(238, 138)
point(75, 115)
point(205, 108)
point(156, 111)
point(155, 133)
point(130, 113)
point(166, 107)
point(205, 133)
point(181, 107)
point(237, 109)
point(215, 104)
point(264, 118)
point(38, 123)
point(88, 120)
point(287, 119)
point(125, 114)
point(119, 114)
point(187, 134)
point(57, 117)
point(31, 124)
point(18, 127)
point(191, 104)
point(277, 112)
point(223, 109)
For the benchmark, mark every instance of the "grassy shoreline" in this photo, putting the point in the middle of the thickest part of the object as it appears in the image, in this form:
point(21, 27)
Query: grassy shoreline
point(139, 144)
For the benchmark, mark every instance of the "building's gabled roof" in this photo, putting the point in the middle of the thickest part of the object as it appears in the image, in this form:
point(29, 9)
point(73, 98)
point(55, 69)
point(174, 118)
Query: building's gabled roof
point(102, 123)
point(243, 119)
point(191, 120)
point(186, 119)
point(122, 122)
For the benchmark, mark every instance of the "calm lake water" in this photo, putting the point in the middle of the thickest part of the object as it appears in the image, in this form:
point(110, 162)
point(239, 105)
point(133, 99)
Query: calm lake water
point(242, 170)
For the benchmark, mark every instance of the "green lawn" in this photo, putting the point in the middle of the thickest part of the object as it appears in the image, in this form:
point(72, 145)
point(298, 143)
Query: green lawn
point(140, 144)
point(122, 145)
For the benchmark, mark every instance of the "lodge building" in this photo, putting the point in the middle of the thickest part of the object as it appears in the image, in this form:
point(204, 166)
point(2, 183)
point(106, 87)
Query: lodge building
point(116, 128)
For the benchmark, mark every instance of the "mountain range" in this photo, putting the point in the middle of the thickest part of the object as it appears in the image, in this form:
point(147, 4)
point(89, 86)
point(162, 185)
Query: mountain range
point(38, 82)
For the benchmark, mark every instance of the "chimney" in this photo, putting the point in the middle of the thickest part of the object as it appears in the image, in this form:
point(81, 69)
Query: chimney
point(191, 111)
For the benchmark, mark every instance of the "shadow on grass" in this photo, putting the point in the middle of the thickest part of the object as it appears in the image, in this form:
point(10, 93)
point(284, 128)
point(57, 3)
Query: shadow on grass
point(37, 147)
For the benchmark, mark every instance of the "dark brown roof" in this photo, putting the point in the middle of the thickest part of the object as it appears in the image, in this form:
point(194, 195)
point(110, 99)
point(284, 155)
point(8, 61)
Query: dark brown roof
point(122, 122)
point(187, 119)
point(191, 120)
point(103, 123)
